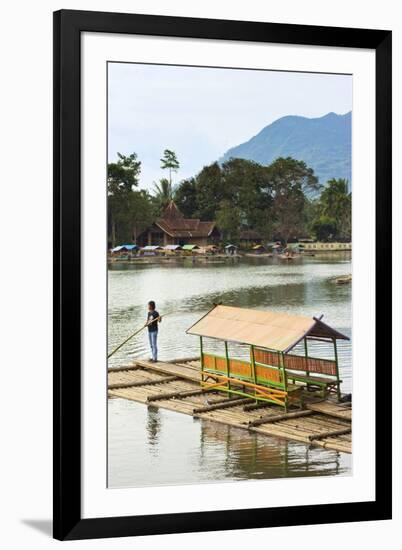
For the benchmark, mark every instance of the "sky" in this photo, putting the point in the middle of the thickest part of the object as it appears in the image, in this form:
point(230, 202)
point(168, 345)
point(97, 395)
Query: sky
point(201, 112)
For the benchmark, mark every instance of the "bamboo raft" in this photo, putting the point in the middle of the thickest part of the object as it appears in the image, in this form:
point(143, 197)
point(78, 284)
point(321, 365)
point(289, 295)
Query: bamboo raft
point(176, 386)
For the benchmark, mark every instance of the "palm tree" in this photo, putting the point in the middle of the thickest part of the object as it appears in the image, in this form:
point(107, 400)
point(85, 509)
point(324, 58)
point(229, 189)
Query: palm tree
point(163, 193)
point(336, 203)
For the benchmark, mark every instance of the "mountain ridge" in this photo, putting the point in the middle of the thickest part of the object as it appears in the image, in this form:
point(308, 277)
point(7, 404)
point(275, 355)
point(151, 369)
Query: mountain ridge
point(323, 143)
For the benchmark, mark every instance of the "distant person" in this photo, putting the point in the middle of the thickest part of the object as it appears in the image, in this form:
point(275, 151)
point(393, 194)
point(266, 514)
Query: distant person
point(152, 324)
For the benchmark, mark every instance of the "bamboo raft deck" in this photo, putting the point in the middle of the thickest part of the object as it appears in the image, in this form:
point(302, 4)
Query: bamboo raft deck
point(176, 386)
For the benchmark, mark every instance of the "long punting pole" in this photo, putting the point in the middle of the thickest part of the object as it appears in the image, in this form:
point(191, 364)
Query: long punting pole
point(137, 332)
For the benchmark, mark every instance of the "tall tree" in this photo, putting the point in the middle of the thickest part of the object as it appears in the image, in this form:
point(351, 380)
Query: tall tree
point(169, 162)
point(210, 191)
point(228, 220)
point(141, 213)
point(247, 185)
point(186, 198)
point(290, 180)
point(123, 177)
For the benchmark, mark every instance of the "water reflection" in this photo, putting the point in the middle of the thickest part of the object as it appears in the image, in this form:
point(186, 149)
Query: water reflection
point(153, 427)
point(177, 449)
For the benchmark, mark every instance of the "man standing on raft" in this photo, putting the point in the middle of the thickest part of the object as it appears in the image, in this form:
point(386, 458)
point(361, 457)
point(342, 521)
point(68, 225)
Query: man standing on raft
point(152, 322)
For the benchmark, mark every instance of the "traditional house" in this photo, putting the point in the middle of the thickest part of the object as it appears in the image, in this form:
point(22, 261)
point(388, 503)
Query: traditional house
point(173, 228)
point(249, 237)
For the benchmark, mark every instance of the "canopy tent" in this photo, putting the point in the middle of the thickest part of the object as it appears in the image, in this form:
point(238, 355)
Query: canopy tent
point(172, 247)
point(190, 247)
point(272, 330)
point(124, 247)
point(151, 248)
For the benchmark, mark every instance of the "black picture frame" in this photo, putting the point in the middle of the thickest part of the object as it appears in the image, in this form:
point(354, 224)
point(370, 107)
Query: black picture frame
point(68, 26)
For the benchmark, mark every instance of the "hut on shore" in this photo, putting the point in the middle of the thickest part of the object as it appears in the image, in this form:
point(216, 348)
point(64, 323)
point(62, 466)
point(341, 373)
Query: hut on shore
point(151, 250)
point(172, 249)
point(173, 228)
point(124, 250)
point(190, 249)
point(231, 249)
point(249, 238)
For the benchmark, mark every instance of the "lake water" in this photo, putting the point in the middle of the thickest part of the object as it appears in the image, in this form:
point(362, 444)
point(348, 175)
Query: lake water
point(147, 446)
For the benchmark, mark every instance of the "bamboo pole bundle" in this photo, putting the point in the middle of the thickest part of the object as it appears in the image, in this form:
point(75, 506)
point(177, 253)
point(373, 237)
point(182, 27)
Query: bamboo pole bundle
point(161, 380)
point(175, 394)
point(324, 435)
point(223, 405)
point(277, 417)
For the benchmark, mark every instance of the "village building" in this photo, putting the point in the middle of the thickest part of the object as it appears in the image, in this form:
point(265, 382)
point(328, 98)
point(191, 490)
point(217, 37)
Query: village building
point(172, 228)
point(249, 237)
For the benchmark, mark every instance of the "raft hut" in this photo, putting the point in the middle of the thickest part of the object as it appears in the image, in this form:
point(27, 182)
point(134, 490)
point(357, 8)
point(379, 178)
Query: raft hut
point(252, 392)
point(273, 373)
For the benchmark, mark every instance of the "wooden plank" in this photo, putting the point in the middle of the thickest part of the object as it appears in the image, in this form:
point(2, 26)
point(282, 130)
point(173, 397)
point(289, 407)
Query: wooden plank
point(330, 409)
point(183, 360)
point(277, 417)
point(160, 380)
point(126, 367)
point(186, 372)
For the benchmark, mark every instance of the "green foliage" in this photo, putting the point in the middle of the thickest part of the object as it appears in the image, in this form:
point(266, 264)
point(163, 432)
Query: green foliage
point(228, 219)
point(291, 180)
point(169, 162)
point(186, 198)
point(123, 175)
point(163, 193)
point(129, 211)
point(324, 228)
point(244, 183)
point(210, 191)
point(333, 220)
point(274, 200)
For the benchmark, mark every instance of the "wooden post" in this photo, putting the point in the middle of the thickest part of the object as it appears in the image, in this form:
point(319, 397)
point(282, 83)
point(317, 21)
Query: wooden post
point(284, 379)
point(227, 363)
point(306, 355)
point(253, 370)
point(202, 360)
point(337, 369)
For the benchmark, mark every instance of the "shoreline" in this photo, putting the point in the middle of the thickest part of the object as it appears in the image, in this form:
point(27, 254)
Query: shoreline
point(220, 258)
